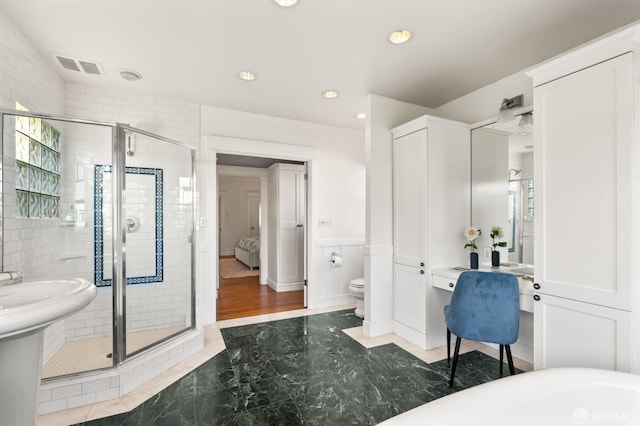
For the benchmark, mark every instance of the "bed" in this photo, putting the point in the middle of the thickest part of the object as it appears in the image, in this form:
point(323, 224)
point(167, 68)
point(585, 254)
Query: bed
point(248, 251)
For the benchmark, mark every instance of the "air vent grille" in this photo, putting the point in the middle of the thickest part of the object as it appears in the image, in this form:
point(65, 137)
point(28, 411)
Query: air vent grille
point(79, 65)
point(90, 67)
point(68, 63)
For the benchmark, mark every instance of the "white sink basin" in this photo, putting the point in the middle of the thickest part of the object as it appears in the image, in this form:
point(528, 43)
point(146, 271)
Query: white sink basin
point(25, 310)
point(31, 305)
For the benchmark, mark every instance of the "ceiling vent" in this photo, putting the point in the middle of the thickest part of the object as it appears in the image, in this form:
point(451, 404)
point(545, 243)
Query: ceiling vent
point(80, 65)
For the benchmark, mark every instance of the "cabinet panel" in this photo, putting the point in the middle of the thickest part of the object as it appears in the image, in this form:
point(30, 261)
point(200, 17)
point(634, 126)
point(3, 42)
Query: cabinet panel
point(568, 333)
point(584, 124)
point(409, 297)
point(410, 180)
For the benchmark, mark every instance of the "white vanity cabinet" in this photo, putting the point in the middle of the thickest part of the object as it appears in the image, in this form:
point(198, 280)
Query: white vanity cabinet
point(587, 196)
point(430, 211)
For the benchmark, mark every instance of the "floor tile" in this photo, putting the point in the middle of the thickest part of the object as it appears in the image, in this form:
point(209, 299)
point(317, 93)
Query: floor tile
point(308, 370)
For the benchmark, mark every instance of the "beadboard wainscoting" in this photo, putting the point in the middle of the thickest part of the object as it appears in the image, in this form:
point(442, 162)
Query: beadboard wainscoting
point(332, 286)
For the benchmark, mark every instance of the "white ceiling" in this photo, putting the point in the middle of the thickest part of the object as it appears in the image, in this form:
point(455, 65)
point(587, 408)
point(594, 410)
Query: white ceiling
point(193, 49)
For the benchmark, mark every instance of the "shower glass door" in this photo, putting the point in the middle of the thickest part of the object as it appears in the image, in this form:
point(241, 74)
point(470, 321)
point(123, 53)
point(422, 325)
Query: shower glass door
point(157, 225)
point(50, 223)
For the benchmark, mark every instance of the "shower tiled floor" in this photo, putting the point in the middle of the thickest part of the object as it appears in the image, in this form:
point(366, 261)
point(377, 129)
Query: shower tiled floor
point(91, 354)
point(307, 370)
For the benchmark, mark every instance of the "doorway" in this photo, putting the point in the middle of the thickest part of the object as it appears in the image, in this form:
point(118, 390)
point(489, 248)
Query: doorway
point(262, 213)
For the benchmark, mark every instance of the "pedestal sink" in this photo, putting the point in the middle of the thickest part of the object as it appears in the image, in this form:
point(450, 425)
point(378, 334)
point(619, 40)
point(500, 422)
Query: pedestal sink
point(25, 310)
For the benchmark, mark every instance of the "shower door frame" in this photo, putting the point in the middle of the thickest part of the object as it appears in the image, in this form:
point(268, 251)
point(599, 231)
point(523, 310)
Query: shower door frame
point(118, 145)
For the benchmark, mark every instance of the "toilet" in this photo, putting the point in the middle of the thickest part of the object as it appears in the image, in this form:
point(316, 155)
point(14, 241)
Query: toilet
point(356, 288)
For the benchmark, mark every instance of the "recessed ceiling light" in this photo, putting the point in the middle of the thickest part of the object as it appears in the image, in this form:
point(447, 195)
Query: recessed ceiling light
point(361, 116)
point(247, 75)
point(399, 37)
point(130, 75)
point(286, 3)
point(329, 94)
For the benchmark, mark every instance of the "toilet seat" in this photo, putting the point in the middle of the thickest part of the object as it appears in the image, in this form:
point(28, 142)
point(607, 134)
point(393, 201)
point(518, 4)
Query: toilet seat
point(358, 282)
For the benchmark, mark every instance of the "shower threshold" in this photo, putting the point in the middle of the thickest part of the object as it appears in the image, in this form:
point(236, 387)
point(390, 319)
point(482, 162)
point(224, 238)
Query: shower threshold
point(78, 356)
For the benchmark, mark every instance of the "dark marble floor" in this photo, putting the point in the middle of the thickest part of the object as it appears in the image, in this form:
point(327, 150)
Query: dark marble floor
point(304, 371)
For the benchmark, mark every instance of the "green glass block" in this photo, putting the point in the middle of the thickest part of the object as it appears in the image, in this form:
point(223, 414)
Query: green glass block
point(47, 206)
point(55, 139)
point(34, 205)
point(22, 147)
point(47, 183)
point(22, 176)
point(47, 159)
point(55, 162)
point(46, 133)
point(55, 184)
point(22, 124)
point(22, 204)
point(35, 128)
point(35, 180)
point(55, 207)
point(35, 153)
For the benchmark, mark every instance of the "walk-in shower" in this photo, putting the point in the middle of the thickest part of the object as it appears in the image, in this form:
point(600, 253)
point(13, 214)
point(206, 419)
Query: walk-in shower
point(110, 203)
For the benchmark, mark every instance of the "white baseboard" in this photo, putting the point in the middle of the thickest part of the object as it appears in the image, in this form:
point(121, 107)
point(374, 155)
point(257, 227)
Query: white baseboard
point(329, 302)
point(227, 252)
point(411, 335)
point(285, 287)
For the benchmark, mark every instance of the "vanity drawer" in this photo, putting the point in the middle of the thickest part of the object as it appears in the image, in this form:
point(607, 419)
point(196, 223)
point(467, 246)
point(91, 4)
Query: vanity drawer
point(444, 283)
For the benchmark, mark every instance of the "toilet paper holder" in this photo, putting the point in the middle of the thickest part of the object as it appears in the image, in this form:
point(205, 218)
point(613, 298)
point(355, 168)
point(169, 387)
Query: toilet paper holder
point(336, 259)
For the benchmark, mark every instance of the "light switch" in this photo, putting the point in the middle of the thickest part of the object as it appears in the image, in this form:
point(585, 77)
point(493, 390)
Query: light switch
point(203, 221)
point(325, 223)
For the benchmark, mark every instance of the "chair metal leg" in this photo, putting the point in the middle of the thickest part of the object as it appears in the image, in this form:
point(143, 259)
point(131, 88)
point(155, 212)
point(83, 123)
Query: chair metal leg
point(455, 360)
point(501, 358)
point(512, 369)
point(448, 346)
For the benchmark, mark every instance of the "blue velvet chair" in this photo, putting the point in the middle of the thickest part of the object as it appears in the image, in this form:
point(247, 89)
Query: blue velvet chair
point(485, 307)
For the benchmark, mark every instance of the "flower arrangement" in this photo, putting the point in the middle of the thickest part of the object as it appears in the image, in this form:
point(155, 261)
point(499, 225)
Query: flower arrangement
point(497, 234)
point(471, 233)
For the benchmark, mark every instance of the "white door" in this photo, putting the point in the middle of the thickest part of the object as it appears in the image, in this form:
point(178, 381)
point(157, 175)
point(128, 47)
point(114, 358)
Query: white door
point(584, 135)
point(253, 214)
point(292, 223)
point(409, 198)
point(568, 333)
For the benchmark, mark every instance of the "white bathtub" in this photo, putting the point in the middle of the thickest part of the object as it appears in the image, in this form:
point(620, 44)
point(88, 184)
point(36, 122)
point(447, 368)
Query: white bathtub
point(556, 396)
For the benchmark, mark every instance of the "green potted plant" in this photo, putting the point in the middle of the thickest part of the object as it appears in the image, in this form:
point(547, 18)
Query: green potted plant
point(471, 233)
point(496, 235)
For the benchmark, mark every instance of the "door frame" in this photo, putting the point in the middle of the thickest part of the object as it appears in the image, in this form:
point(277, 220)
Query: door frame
point(252, 195)
point(211, 147)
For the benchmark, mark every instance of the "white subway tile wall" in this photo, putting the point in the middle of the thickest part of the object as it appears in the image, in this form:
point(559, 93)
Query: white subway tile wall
point(44, 247)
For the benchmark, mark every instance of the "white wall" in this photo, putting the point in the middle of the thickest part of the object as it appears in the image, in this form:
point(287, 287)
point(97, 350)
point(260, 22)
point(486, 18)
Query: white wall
point(383, 114)
point(338, 173)
point(484, 103)
point(30, 245)
point(234, 218)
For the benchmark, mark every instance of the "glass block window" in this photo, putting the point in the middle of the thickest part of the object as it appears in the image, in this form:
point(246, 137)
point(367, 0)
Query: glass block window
point(37, 168)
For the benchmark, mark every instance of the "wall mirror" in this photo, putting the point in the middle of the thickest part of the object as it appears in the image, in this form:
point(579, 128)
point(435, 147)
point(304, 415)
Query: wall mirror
point(502, 188)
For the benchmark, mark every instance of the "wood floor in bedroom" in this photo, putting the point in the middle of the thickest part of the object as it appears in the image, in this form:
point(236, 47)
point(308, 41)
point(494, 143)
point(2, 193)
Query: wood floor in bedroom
point(245, 297)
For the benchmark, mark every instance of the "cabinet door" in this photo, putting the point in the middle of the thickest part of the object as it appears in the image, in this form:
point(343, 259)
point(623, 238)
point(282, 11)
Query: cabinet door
point(410, 297)
point(568, 333)
point(584, 135)
point(292, 215)
point(409, 198)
